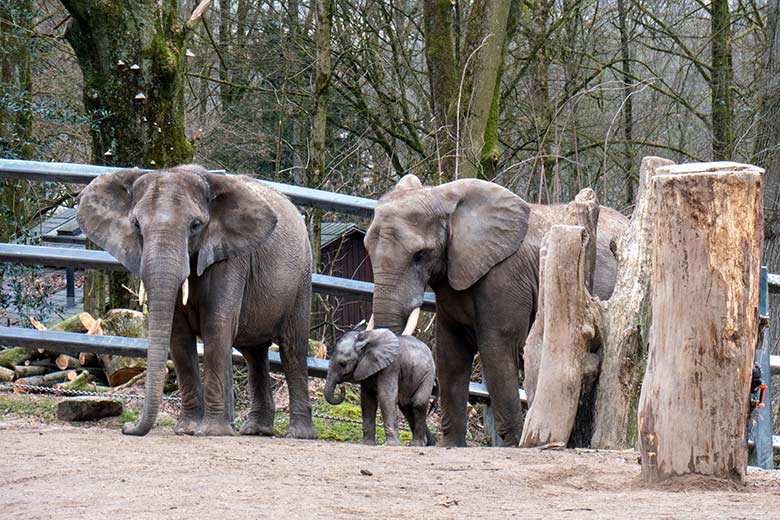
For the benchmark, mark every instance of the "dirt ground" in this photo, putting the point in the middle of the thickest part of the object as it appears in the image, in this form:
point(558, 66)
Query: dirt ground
point(58, 470)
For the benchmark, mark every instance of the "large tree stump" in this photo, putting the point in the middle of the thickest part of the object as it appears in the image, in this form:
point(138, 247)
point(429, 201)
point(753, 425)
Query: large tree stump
point(569, 325)
point(627, 320)
point(705, 287)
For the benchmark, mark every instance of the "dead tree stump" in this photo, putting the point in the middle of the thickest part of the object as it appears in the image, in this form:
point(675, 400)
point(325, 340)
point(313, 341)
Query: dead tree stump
point(627, 320)
point(569, 325)
point(706, 250)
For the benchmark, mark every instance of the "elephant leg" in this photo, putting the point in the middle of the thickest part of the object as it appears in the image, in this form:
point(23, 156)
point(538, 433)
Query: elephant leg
point(185, 361)
point(293, 349)
point(408, 413)
point(217, 345)
point(261, 416)
point(387, 393)
point(454, 359)
point(502, 382)
point(368, 407)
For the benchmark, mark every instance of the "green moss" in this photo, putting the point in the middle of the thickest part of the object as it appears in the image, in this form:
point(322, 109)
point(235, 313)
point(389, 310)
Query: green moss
point(44, 408)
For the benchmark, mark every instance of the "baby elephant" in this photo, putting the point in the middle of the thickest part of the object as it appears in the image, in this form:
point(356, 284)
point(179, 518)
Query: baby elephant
point(390, 369)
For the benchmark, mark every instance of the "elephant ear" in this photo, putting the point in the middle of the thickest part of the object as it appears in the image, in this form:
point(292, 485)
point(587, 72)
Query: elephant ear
point(103, 215)
point(377, 349)
point(240, 219)
point(487, 225)
point(408, 182)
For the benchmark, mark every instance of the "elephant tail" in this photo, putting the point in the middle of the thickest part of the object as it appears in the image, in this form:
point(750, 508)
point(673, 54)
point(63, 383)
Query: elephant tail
point(435, 396)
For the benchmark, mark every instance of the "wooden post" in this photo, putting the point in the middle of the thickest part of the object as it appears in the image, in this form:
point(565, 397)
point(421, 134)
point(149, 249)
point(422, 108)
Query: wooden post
point(569, 326)
point(707, 254)
point(627, 320)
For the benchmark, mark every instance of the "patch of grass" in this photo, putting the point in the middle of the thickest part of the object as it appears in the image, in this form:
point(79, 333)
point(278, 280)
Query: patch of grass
point(129, 415)
point(44, 408)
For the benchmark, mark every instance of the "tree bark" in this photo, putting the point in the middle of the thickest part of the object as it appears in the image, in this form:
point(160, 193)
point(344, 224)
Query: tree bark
point(13, 356)
point(6, 375)
point(569, 326)
point(767, 155)
point(564, 331)
point(133, 59)
point(627, 321)
point(721, 81)
point(706, 250)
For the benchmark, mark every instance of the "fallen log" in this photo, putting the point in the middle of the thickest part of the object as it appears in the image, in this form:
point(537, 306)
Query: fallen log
point(82, 382)
point(6, 375)
point(87, 359)
point(22, 371)
point(121, 322)
point(706, 249)
point(44, 380)
point(14, 356)
point(88, 408)
point(64, 362)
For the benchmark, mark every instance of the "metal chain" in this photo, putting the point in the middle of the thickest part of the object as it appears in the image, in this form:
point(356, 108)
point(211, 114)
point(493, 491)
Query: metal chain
point(87, 393)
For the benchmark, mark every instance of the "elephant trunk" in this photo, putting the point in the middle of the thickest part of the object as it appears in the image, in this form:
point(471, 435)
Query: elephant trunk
point(162, 281)
point(330, 386)
point(389, 313)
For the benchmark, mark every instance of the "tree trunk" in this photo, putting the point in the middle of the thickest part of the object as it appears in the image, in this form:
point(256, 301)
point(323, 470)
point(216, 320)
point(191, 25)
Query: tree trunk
point(721, 81)
point(132, 57)
point(707, 255)
point(628, 104)
point(566, 323)
point(13, 356)
point(6, 375)
point(767, 155)
point(626, 324)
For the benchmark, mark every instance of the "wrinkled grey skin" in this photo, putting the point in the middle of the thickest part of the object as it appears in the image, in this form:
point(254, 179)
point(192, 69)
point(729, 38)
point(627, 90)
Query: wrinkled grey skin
point(245, 250)
point(477, 245)
point(391, 370)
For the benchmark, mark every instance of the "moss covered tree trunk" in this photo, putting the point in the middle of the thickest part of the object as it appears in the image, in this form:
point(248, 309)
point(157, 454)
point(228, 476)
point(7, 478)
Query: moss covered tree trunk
point(465, 88)
point(133, 58)
point(721, 82)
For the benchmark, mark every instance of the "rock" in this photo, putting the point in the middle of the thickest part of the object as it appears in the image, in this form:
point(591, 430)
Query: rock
point(88, 408)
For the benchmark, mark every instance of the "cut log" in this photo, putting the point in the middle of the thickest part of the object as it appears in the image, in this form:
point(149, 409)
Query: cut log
point(627, 321)
point(706, 250)
point(70, 324)
point(44, 380)
point(64, 362)
point(14, 356)
point(87, 359)
point(6, 375)
point(82, 382)
point(22, 371)
point(569, 326)
point(122, 322)
point(88, 408)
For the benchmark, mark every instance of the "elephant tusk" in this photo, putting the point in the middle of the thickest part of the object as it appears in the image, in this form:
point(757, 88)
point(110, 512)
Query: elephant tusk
point(370, 325)
point(185, 292)
point(141, 295)
point(411, 323)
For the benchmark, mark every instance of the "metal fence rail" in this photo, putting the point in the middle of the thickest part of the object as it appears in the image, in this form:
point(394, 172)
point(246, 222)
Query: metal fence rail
point(84, 173)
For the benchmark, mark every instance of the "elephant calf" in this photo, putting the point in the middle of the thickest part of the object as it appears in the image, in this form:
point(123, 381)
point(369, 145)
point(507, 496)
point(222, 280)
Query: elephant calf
point(390, 369)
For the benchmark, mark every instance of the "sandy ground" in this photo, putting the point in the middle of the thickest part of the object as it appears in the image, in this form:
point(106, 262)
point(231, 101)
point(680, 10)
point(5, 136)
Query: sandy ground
point(63, 471)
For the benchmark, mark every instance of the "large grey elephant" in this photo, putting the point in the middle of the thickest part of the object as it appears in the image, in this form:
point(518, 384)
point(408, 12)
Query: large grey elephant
point(392, 371)
point(223, 258)
point(477, 245)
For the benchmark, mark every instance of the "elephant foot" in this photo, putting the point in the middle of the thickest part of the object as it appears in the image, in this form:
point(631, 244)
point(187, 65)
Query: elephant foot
point(213, 427)
point(186, 425)
point(452, 443)
point(257, 426)
point(301, 428)
point(392, 442)
point(419, 443)
point(368, 442)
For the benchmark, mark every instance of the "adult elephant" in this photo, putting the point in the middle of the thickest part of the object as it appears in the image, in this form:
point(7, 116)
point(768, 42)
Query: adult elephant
point(223, 258)
point(477, 245)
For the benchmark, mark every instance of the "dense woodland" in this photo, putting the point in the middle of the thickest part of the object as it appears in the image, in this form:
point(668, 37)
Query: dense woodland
point(543, 96)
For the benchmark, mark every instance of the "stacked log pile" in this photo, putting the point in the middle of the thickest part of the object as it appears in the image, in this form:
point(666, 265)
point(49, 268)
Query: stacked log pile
point(61, 371)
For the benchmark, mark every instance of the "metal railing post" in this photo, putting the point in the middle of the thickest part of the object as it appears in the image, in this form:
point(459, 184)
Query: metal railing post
point(761, 431)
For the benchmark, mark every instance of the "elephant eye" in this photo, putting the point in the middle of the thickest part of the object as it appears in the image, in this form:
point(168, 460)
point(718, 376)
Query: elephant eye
point(136, 224)
point(196, 225)
point(418, 256)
